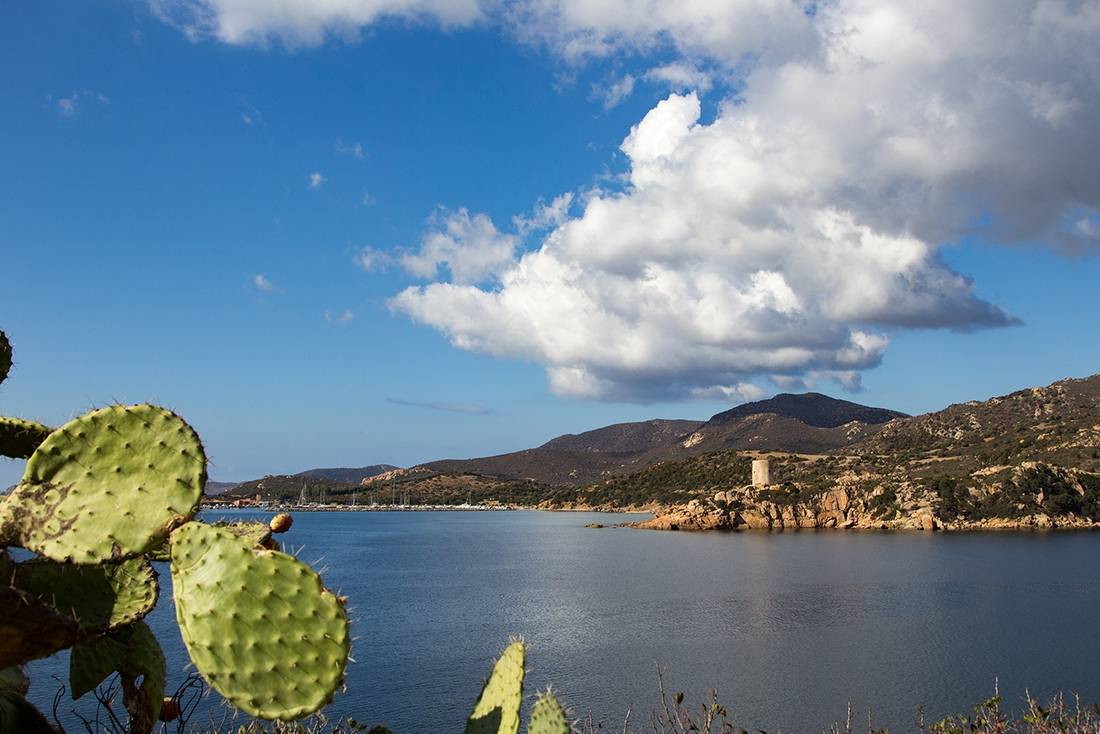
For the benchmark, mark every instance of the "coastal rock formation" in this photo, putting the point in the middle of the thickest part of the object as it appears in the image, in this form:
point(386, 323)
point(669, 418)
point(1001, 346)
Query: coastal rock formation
point(851, 504)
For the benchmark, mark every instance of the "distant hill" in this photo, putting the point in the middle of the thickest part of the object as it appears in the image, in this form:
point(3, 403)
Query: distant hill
point(1030, 459)
point(216, 488)
point(347, 475)
point(1058, 423)
point(624, 437)
point(807, 423)
point(578, 458)
point(288, 487)
point(811, 408)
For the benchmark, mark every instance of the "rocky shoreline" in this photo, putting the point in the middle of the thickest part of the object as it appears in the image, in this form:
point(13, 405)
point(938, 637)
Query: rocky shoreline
point(753, 508)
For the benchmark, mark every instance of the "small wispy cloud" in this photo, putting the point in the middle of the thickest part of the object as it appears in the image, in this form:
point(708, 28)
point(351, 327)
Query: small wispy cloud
point(262, 283)
point(316, 180)
point(339, 317)
point(468, 409)
point(680, 76)
point(250, 116)
point(68, 106)
point(613, 94)
point(370, 259)
point(351, 150)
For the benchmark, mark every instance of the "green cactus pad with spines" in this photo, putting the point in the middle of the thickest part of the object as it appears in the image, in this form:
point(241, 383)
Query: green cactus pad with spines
point(19, 438)
point(5, 356)
point(547, 717)
point(109, 485)
point(259, 625)
point(30, 629)
point(497, 709)
point(99, 597)
point(256, 533)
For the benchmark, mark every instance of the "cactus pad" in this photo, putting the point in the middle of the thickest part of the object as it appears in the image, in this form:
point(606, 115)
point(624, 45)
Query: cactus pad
point(256, 533)
point(109, 485)
point(30, 629)
point(14, 679)
point(19, 438)
point(134, 652)
point(547, 717)
point(258, 623)
point(497, 709)
point(19, 716)
point(98, 597)
point(5, 356)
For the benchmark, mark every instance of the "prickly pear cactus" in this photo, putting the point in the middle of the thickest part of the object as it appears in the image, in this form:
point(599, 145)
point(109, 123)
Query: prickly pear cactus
point(547, 717)
point(19, 438)
point(258, 623)
point(98, 597)
point(5, 356)
point(497, 709)
point(133, 651)
point(30, 629)
point(108, 485)
point(256, 533)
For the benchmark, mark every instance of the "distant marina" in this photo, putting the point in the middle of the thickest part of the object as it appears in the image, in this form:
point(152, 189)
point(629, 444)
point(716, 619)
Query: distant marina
point(397, 503)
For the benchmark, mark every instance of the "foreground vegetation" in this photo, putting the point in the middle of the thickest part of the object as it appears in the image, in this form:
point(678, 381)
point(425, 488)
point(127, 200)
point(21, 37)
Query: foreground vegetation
point(670, 715)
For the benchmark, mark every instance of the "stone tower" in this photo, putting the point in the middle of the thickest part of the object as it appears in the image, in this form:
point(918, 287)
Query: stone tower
point(761, 473)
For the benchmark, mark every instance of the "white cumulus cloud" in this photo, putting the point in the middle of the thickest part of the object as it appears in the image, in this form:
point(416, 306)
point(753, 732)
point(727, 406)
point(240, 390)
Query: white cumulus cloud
point(798, 227)
point(470, 247)
point(717, 264)
point(316, 180)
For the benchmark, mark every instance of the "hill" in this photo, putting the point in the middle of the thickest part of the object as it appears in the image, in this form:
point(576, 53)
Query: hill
point(1028, 459)
point(575, 459)
point(807, 423)
point(813, 409)
point(347, 475)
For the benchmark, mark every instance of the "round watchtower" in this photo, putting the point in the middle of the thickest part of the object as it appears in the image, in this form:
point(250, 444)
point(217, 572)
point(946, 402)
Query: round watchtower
point(761, 473)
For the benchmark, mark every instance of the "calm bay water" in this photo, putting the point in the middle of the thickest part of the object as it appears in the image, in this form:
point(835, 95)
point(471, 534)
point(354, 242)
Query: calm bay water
point(789, 627)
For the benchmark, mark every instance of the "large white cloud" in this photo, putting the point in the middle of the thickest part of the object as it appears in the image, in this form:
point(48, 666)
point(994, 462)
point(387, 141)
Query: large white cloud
point(684, 286)
point(798, 229)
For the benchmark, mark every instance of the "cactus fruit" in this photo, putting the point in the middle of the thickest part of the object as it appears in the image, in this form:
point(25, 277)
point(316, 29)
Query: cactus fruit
point(5, 356)
point(169, 709)
point(30, 629)
point(98, 597)
point(497, 709)
point(133, 652)
point(258, 624)
point(281, 523)
point(19, 438)
point(108, 485)
point(547, 717)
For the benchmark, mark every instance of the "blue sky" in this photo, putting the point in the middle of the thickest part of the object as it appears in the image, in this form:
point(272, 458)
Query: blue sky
point(152, 174)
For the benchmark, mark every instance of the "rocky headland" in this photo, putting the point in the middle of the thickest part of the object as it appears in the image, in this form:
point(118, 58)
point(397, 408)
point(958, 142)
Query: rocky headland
point(852, 506)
